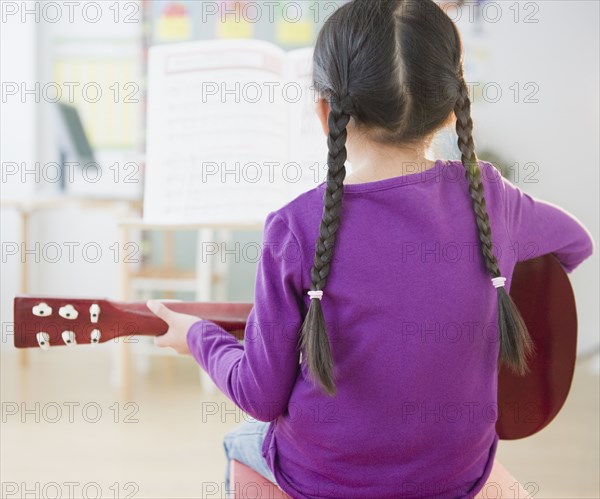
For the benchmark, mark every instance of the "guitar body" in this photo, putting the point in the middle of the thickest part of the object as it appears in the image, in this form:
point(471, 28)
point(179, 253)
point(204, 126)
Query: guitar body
point(542, 292)
point(540, 288)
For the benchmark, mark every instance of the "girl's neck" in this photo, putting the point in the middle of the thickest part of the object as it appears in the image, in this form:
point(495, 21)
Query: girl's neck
point(373, 161)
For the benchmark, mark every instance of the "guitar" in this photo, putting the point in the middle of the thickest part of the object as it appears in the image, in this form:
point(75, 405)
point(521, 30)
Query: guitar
point(542, 292)
point(540, 288)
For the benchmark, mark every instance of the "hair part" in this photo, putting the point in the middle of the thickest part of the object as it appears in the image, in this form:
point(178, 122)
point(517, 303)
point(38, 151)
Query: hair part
point(394, 67)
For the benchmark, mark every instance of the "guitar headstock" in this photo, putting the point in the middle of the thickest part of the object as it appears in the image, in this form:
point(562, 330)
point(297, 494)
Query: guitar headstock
point(45, 321)
point(50, 321)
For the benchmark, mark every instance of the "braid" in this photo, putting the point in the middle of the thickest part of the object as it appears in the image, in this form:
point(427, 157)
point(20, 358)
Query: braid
point(515, 342)
point(313, 336)
point(466, 145)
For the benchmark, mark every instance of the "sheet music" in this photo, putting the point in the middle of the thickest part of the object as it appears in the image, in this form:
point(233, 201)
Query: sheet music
point(232, 131)
point(215, 149)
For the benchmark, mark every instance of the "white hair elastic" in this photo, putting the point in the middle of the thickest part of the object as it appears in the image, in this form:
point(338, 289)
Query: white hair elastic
point(498, 281)
point(315, 294)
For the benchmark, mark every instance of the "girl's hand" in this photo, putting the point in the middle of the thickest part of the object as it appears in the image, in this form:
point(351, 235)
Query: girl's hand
point(179, 325)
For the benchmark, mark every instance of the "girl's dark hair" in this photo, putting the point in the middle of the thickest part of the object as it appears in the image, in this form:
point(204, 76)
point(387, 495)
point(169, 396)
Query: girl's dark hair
point(395, 68)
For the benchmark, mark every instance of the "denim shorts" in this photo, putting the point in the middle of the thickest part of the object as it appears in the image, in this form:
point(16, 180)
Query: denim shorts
point(244, 444)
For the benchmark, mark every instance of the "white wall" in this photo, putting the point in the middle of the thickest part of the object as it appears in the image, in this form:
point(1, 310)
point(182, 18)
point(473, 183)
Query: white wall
point(30, 44)
point(18, 138)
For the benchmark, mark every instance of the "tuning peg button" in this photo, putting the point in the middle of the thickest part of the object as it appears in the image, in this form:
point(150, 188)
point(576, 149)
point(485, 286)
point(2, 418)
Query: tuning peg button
point(69, 337)
point(68, 312)
point(43, 340)
point(94, 312)
point(95, 336)
point(42, 310)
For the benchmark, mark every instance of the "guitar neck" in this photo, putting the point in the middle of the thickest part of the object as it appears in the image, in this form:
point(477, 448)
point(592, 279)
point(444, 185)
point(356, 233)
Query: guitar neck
point(230, 316)
point(50, 321)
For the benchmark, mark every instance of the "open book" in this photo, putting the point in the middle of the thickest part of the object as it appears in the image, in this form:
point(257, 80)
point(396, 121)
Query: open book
point(232, 132)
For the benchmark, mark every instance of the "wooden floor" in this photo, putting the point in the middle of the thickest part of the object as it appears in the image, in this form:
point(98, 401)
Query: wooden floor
point(64, 429)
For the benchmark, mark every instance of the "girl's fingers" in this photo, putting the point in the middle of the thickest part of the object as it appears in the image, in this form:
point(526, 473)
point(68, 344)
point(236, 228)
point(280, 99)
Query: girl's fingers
point(178, 326)
point(162, 340)
point(160, 310)
point(166, 315)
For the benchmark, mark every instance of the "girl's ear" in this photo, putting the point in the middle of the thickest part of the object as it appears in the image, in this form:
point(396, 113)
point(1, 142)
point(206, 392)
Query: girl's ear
point(322, 110)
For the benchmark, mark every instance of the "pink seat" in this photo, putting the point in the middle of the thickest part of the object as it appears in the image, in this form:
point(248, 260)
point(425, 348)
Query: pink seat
point(248, 484)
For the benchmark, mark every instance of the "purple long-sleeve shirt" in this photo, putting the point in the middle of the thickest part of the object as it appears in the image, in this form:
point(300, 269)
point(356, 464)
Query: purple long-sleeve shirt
point(411, 316)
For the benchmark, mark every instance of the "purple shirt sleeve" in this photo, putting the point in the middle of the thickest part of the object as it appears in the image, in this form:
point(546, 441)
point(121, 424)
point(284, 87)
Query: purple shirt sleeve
point(536, 227)
point(258, 375)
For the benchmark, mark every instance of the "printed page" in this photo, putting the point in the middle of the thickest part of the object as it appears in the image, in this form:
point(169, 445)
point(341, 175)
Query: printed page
point(217, 132)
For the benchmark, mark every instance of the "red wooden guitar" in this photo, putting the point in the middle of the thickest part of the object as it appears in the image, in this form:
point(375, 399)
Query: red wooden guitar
point(540, 289)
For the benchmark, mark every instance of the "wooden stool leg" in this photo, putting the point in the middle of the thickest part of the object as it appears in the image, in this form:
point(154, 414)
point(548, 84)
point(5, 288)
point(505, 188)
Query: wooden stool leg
point(23, 358)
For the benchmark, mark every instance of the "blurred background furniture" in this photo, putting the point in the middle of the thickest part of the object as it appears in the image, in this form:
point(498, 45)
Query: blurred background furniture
point(207, 280)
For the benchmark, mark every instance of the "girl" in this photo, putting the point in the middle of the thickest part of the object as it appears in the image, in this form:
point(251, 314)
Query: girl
point(370, 361)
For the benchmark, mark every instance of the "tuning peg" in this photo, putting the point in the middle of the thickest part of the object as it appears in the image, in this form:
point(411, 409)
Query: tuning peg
point(41, 310)
point(69, 337)
point(94, 312)
point(68, 312)
point(43, 340)
point(95, 336)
